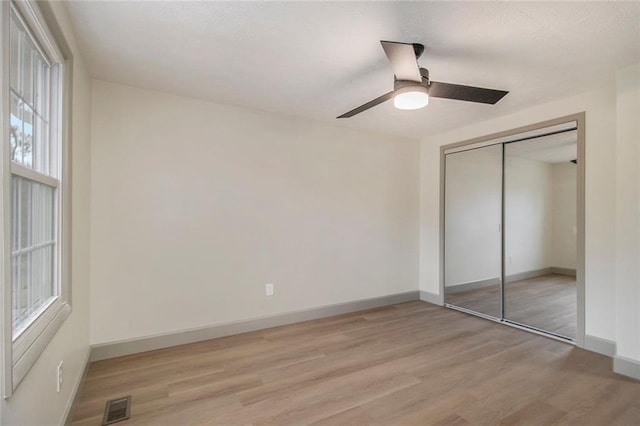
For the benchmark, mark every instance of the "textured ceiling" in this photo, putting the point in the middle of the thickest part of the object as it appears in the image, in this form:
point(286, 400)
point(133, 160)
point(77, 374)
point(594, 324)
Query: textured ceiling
point(320, 59)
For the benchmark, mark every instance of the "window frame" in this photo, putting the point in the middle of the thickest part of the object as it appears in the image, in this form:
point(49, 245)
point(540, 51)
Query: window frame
point(21, 353)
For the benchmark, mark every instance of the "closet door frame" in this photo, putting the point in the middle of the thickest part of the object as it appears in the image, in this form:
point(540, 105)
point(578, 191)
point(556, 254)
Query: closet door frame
point(499, 138)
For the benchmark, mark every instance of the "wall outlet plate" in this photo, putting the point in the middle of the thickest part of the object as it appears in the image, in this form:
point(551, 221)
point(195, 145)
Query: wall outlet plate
point(268, 289)
point(59, 377)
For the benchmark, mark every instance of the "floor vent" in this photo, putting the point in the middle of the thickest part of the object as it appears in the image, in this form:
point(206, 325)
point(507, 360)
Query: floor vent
point(117, 410)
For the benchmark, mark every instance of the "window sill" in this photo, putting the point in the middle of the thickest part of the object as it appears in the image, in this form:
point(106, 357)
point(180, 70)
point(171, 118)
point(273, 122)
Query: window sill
point(30, 345)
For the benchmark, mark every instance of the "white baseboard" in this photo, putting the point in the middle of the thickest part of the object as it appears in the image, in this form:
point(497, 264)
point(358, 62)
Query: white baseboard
point(149, 343)
point(76, 392)
point(600, 345)
point(436, 299)
point(626, 367)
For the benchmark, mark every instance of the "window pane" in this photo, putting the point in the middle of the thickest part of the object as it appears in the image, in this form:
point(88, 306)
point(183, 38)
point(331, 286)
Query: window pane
point(42, 213)
point(22, 123)
point(15, 291)
point(16, 128)
point(24, 214)
point(27, 70)
point(14, 59)
point(40, 146)
point(30, 99)
point(33, 213)
point(21, 289)
point(42, 277)
point(41, 104)
point(32, 286)
point(27, 136)
point(33, 248)
point(15, 209)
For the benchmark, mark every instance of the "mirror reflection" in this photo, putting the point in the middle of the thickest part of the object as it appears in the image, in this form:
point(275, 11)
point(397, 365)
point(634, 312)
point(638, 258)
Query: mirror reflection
point(540, 232)
point(473, 204)
point(510, 229)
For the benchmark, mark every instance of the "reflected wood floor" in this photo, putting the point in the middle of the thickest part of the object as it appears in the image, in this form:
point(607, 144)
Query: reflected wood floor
point(412, 363)
point(547, 302)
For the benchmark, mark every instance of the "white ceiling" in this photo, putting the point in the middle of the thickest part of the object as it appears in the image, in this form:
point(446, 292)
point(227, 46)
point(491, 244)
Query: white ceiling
point(319, 59)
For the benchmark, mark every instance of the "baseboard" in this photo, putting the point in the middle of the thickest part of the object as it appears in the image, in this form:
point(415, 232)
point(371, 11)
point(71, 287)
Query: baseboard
point(528, 274)
point(510, 278)
point(626, 367)
point(149, 343)
point(76, 392)
point(600, 345)
point(458, 288)
point(436, 299)
point(563, 271)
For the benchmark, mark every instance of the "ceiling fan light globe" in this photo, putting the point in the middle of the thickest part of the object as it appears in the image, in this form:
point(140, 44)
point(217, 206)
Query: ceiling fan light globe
point(412, 99)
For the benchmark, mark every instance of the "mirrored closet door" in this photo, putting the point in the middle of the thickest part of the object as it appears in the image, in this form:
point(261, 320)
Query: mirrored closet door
point(540, 240)
point(511, 229)
point(473, 242)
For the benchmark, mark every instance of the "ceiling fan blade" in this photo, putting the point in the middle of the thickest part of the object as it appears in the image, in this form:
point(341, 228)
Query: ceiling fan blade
point(465, 93)
point(402, 57)
point(370, 104)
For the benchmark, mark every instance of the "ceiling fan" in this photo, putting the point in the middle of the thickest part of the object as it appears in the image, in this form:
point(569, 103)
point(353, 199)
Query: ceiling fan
point(412, 87)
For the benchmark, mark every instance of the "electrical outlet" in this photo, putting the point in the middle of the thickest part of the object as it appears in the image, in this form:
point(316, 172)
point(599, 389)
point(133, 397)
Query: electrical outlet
point(59, 378)
point(268, 289)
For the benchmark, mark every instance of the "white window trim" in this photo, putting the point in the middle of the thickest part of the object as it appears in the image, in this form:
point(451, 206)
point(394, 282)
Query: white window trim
point(19, 355)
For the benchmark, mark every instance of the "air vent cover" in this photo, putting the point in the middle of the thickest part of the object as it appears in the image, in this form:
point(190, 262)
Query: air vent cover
point(117, 410)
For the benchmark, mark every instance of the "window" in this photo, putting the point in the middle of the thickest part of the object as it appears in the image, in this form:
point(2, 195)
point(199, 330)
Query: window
point(36, 284)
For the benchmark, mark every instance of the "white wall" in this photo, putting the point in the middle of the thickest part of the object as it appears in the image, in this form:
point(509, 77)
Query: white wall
point(528, 216)
point(627, 225)
point(195, 206)
point(563, 251)
point(36, 402)
point(600, 107)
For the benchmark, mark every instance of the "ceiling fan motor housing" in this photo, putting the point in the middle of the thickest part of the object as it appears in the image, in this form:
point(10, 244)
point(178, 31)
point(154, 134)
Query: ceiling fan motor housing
point(401, 86)
point(425, 76)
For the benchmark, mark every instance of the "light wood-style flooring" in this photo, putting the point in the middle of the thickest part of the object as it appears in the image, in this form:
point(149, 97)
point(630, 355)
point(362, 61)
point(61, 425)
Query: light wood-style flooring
point(409, 364)
point(547, 302)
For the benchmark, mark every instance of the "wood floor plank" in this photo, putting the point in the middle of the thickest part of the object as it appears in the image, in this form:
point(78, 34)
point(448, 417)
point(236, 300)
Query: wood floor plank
point(452, 420)
point(628, 417)
point(534, 414)
point(433, 411)
point(411, 363)
point(352, 416)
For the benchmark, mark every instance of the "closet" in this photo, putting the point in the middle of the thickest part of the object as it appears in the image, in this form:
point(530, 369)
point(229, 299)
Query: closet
point(513, 219)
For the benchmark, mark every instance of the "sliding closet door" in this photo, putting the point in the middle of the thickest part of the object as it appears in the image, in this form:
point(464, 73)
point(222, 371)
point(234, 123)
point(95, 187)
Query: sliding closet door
point(473, 216)
point(540, 201)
